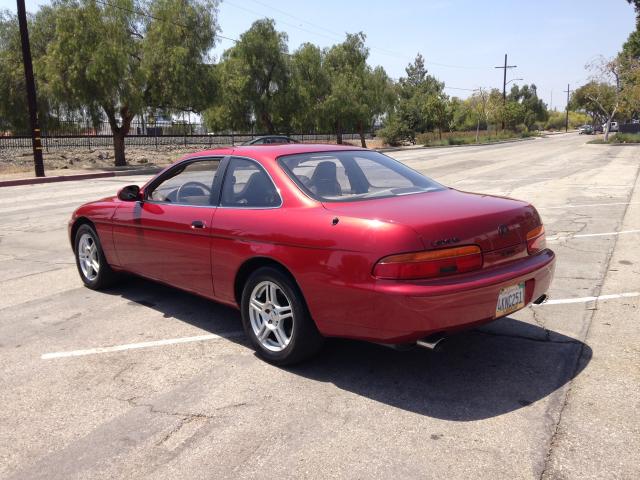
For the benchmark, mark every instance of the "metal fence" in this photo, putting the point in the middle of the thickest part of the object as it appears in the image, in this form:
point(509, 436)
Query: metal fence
point(81, 136)
point(629, 128)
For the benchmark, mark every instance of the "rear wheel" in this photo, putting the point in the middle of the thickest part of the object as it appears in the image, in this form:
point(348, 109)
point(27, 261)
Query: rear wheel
point(276, 319)
point(92, 265)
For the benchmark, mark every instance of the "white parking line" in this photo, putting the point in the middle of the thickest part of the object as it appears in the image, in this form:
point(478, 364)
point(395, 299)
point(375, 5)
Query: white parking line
point(554, 238)
point(588, 299)
point(131, 346)
point(604, 234)
point(592, 205)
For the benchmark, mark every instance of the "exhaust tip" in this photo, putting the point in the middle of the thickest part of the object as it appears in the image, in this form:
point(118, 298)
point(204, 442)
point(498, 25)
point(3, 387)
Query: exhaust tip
point(540, 300)
point(433, 342)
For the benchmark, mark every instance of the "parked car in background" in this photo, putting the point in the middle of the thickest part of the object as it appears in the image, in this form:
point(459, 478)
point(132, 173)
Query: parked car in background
point(613, 126)
point(315, 241)
point(586, 130)
point(270, 140)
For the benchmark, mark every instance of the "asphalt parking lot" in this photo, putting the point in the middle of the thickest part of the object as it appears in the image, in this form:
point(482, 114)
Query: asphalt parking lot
point(549, 392)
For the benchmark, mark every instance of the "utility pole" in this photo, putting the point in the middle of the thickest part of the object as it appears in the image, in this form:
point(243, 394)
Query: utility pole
point(566, 120)
point(31, 90)
point(504, 84)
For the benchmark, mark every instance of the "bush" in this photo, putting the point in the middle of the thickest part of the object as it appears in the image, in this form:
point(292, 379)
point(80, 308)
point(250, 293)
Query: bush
point(620, 138)
point(557, 120)
point(431, 139)
point(394, 133)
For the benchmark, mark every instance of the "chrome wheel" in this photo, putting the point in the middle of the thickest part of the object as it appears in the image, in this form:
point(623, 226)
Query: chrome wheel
point(88, 257)
point(271, 316)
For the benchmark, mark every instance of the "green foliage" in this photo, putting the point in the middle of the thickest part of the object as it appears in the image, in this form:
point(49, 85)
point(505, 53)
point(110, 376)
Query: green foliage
point(310, 85)
point(254, 82)
point(557, 120)
point(532, 108)
point(596, 99)
point(108, 58)
point(14, 113)
point(467, 138)
point(421, 105)
point(395, 132)
point(626, 138)
point(619, 138)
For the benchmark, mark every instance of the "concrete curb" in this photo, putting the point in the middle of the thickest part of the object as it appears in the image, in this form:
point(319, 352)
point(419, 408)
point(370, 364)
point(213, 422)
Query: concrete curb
point(82, 176)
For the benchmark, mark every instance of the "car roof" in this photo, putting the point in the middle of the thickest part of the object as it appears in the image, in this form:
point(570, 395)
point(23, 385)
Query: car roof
point(272, 151)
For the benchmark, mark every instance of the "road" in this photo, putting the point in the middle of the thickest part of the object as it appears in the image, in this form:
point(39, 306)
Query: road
point(551, 392)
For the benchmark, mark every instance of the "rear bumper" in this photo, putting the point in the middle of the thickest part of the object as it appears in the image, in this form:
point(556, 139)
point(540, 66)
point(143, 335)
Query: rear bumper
point(408, 311)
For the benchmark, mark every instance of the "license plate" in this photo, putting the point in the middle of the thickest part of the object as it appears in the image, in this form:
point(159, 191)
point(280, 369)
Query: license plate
point(510, 299)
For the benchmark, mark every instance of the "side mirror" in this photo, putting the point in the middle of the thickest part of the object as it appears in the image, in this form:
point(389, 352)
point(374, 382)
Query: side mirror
point(130, 193)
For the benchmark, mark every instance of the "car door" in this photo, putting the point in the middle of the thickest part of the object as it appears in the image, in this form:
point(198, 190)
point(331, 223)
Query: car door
point(249, 206)
point(166, 236)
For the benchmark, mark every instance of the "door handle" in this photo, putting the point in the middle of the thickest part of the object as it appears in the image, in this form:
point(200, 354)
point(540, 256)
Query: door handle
point(197, 224)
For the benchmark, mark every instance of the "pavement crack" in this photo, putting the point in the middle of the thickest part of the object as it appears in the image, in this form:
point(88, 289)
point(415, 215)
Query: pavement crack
point(540, 323)
point(120, 372)
point(134, 403)
point(547, 338)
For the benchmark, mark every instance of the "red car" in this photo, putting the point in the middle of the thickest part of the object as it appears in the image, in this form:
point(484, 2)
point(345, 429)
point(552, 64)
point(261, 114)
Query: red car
point(315, 241)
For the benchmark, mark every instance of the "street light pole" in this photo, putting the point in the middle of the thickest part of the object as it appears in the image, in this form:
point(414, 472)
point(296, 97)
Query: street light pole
point(31, 90)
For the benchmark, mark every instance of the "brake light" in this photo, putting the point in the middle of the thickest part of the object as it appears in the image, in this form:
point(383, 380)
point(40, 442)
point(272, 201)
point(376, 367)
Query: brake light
point(536, 240)
point(434, 263)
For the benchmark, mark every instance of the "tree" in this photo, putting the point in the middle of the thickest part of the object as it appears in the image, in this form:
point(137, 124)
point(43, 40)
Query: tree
point(479, 106)
point(14, 113)
point(606, 92)
point(117, 60)
point(631, 48)
point(533, 109)
point(378, 99)
point(345, 65)
point(254, 78)
point(310, 86)
point(421, 104)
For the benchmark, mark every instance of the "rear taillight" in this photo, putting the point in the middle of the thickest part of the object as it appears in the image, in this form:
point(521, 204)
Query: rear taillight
point(536, 240)
point(434, 263)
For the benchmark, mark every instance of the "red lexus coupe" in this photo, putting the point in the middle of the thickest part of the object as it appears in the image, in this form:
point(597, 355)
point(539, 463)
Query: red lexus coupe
point(315, 241)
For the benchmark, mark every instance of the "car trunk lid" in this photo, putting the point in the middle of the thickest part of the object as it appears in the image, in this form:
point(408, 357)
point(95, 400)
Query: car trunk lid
point(451, 217)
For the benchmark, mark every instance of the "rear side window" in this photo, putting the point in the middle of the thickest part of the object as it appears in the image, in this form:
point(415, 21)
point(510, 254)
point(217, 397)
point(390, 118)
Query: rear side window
point(247, 185)
point(344, 176)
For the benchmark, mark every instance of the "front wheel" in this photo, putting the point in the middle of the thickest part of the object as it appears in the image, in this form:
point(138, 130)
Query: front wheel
point(276, 319)
point(92, 265)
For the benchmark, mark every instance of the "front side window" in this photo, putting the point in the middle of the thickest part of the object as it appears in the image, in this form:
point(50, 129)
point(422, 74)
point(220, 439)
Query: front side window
point(187, 184)
point(354, 175)
point(247, 185)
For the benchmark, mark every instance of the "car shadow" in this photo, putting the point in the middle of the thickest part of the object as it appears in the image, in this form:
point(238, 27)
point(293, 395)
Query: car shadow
point(476, 375)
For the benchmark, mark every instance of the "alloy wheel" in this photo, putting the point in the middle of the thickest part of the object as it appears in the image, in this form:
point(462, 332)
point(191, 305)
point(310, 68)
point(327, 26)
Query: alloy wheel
point(88, 257)
point(271, 316)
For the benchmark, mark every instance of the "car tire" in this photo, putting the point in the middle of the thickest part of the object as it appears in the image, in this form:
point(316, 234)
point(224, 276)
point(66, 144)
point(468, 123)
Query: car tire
point(92, 265)
point(276, 319)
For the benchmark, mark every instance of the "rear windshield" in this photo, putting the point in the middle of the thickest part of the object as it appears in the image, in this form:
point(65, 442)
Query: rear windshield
point(351, 175)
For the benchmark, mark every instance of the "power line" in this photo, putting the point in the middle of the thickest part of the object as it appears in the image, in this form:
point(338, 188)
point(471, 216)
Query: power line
point(336, 36)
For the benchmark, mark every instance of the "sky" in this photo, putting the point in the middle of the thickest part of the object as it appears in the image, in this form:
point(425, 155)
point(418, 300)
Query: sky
point(462, 40)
